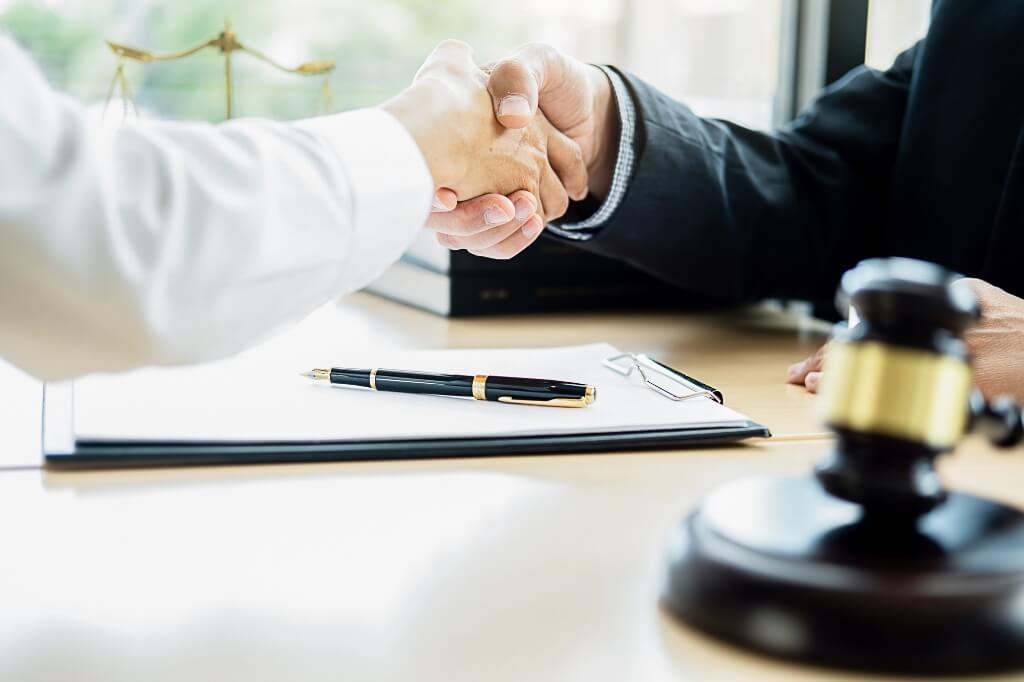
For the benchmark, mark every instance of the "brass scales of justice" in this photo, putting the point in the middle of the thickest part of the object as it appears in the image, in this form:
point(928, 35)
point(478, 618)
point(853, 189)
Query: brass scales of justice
point(228, 43)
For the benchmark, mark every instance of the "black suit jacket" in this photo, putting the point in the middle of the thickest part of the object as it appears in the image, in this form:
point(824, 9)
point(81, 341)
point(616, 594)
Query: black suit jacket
point(924, 160)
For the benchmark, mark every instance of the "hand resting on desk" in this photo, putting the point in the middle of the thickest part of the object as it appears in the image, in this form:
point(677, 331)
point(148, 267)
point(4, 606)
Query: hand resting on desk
point(996, 345)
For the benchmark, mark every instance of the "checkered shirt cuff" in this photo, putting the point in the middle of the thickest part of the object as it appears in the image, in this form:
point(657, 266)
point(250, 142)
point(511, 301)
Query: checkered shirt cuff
point(623, 166)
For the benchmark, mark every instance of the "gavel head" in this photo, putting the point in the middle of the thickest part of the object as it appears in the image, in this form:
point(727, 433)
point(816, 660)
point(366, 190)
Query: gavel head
point(897, 386)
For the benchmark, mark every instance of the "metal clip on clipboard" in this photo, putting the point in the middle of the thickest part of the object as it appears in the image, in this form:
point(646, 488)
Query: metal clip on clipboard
point(661, 378)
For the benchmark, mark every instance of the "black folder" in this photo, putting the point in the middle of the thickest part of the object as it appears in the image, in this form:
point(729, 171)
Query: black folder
point(63, 447)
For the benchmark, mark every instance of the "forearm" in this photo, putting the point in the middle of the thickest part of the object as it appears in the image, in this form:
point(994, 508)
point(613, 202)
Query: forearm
point(168, 242)
point(682, 212)
point(736, 214)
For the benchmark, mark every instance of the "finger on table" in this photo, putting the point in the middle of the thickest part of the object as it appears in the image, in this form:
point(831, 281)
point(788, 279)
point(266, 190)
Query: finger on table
point(797, 373)
point(812, 381)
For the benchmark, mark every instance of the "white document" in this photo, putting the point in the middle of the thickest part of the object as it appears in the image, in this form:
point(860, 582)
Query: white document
point(259, 399)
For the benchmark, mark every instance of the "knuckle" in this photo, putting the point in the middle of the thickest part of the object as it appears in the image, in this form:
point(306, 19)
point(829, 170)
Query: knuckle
point(530, 182)
point(493, 237)
point(557, 205)
point(451, 230)
point(577, 154)
point(473, 242)
point(538, 49)
point(512, 74)
point(547, 55)
point(467, 227)
point(468, 219)
point(453, 223)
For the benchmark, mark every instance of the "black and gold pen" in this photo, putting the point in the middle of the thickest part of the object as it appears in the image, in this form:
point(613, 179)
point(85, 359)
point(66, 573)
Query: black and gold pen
point(519, 391)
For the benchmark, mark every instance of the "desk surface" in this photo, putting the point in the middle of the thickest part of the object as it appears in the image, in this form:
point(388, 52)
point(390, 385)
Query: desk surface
point(541, 568)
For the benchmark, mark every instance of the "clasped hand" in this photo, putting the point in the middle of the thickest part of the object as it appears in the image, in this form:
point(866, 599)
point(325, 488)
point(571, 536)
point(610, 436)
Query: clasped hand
point(531, 170)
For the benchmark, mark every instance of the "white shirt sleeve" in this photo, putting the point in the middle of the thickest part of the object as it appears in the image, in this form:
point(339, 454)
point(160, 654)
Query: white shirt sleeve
point(166, 243)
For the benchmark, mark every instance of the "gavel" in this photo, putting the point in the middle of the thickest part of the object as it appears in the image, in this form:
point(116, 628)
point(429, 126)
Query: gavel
point(871, 563)
point(898, 390)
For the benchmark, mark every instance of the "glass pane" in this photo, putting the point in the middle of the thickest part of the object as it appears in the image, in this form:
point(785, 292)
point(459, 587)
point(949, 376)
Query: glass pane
point(720, 56)
point(893, 27)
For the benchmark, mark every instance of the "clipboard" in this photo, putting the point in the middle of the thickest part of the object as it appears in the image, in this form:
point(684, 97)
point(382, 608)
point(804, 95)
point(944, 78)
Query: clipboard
point(67, 445)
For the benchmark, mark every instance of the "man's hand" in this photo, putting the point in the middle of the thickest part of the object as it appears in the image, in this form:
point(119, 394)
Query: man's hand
point(997, 342)
point(807, 373)
point(493, 226)
point(577, 99)
point(996, 345)
point(448, 112)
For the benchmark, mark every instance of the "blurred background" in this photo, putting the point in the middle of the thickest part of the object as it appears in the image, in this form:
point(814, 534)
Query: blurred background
point(753, 61)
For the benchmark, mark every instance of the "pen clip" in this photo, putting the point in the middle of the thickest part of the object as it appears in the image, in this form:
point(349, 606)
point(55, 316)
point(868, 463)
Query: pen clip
point(553, 402)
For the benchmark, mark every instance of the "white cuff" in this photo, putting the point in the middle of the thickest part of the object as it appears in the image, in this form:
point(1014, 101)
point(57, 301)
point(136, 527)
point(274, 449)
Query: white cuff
point(390, 184)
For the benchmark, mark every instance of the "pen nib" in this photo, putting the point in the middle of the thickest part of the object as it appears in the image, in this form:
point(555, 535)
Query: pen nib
point(316, 374)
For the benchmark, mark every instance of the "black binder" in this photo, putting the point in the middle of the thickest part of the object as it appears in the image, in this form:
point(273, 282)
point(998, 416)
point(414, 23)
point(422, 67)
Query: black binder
point(550, 276)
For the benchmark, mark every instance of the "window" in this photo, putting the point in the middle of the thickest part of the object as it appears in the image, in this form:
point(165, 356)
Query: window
point(893, 27)
point(720, 56)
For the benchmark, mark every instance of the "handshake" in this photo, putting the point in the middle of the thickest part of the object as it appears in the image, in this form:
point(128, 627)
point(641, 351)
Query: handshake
point(508, 144)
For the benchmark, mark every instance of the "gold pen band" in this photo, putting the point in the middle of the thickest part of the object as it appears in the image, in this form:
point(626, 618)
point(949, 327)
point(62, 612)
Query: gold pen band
point(373, 379)
point(479, 387)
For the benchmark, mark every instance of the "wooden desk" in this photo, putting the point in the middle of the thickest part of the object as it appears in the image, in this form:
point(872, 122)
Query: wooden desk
point(541, 568)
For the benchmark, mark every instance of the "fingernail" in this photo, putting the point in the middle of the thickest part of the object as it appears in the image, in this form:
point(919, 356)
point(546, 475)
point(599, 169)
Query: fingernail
point(812, 381)
point(796, 368)
point(513, 105)
point(437, 205)
point(524, 208)
point(532, 228)
point(495, 216)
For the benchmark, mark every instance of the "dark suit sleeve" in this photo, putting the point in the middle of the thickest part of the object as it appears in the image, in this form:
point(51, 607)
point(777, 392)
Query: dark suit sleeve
point(737, 215)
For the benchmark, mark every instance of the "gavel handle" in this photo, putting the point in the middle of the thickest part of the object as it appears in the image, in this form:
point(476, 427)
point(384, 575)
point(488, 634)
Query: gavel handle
point(999, 420)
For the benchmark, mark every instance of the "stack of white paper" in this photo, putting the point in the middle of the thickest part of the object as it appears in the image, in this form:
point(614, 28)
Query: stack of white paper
point(253, 399)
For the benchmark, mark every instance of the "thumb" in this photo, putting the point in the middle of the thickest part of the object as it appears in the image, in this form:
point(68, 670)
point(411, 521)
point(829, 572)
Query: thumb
point(514, 85)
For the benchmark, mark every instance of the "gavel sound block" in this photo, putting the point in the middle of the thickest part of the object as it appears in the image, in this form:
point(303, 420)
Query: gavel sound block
point(871, 563)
